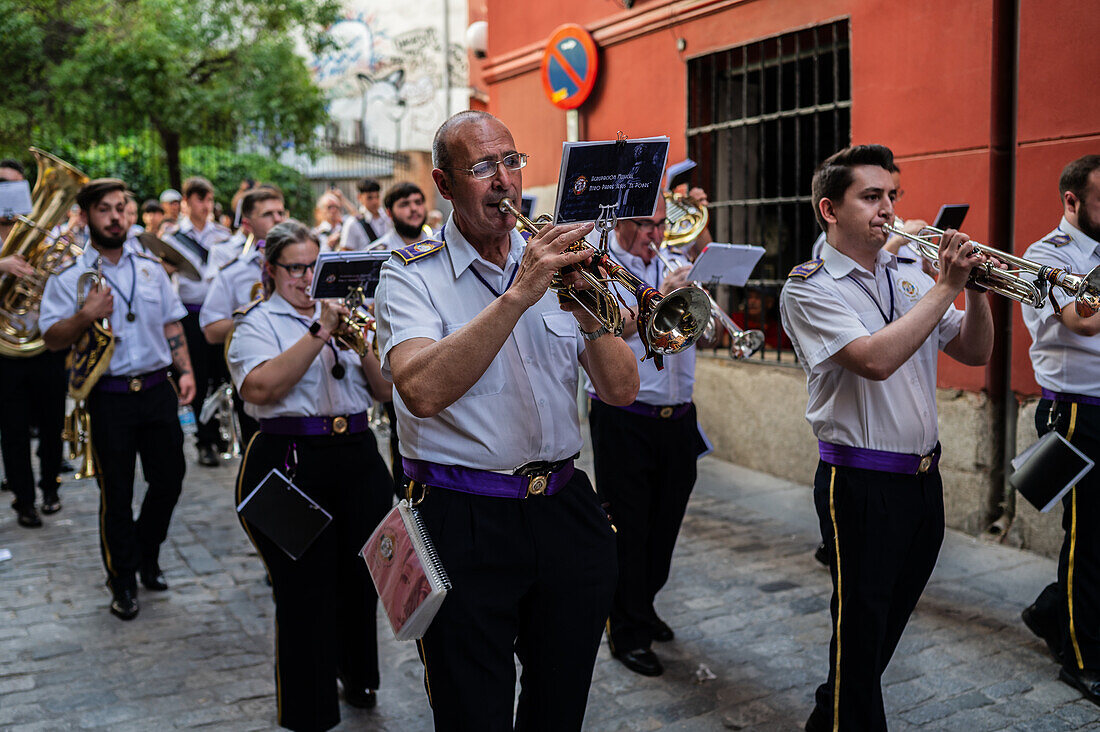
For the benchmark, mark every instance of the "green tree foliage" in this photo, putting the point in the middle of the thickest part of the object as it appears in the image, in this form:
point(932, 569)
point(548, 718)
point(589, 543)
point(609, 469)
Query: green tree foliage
point(199, 72)
point(139, 161)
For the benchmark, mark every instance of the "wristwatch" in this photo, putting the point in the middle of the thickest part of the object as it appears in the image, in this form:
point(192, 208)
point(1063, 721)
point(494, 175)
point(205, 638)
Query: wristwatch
point(603, 329)
point(315, 329)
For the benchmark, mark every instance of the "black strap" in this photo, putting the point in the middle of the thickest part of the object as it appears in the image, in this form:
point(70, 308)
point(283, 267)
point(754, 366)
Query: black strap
point(193, 245)
point(886, 320)
point(371, 236)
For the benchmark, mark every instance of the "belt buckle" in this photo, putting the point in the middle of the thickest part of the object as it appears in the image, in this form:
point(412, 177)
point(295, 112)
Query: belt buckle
point(536, 484)
point(925, 464)
point(666, 412)
point(339, 425)
point(135, 383)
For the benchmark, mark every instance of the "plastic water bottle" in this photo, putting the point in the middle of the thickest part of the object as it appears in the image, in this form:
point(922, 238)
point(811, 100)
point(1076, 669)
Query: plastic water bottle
point(187, 420)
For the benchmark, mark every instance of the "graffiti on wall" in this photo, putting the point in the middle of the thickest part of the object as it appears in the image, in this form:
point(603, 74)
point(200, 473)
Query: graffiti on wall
point(400, 72)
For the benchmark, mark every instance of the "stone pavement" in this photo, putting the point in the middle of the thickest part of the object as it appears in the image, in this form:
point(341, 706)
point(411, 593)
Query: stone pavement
point(747, 601)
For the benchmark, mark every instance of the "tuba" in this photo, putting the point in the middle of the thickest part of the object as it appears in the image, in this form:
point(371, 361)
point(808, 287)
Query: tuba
point(87, 361)
point(20, 297)
point(666, 323)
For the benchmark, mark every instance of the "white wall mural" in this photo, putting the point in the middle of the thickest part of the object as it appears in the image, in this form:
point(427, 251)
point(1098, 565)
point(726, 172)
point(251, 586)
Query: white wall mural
point(386, 74)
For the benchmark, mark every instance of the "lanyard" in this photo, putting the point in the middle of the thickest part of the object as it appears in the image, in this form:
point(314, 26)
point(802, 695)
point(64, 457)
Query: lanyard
point(130, 317)
point(482, 280)
point(337, 369)
point(875, 299)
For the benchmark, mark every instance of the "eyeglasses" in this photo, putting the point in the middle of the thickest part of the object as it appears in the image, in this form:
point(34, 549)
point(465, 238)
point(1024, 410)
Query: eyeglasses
point(648, 225)
point(488, 168)
point(297, 271)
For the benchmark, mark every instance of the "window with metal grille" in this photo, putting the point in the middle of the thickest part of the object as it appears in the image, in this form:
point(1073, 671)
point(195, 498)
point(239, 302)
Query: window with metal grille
point(761, 116)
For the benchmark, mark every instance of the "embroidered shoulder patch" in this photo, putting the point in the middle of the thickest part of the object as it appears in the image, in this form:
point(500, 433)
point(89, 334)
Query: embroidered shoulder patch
point(147, 255)
point(244, 310)
point(1058, 240)
point(419, 250)
point(806, 269)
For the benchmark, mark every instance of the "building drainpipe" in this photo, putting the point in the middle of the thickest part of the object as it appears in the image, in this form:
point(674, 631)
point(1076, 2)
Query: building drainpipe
point(1001, 503)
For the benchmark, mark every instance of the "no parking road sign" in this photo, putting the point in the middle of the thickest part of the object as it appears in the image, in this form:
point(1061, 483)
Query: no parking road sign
point(569, 66)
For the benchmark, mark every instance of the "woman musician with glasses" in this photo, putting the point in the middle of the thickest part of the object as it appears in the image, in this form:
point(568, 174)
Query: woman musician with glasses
point(311, 399)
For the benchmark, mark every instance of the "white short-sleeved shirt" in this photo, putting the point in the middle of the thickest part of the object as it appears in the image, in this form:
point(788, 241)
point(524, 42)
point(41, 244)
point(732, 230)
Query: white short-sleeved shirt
point(838, 303)
point(192, 292)
point(268, 330)
point(1063, 360)
point(223, 253)
point(673, 384)
point(232, 288)
point(523, 408)
point(140, 346)
point(355, 239)
point(387, 242)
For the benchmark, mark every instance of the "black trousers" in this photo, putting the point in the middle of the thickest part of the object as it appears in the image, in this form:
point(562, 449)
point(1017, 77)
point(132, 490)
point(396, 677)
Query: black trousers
point(532, 577)
point(125, 426)
point(207, 363)
point(1073, 603)
point(325, 602)
point(32, 392)
point(645, 469)
point(884, 532)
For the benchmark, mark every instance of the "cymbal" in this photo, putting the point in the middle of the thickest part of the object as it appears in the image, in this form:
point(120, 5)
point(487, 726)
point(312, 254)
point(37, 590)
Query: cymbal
point(169, 254)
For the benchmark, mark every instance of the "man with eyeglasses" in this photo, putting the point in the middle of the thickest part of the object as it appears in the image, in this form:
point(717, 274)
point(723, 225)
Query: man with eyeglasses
point(485, 367)
point(645, 455)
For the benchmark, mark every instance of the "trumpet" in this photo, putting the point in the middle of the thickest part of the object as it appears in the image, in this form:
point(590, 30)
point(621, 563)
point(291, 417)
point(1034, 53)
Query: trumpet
point(666, 323)
point(743, 343)
point(353, 328)
point(1084, 289)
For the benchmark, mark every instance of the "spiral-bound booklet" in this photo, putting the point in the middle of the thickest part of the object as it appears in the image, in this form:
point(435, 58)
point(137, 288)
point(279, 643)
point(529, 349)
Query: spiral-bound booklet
point(407, 571)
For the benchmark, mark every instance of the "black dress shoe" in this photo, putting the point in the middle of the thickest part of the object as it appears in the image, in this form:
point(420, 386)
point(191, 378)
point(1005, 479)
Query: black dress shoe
point(641, 661)
point(28, 518)
point(358, 696)
point(1085, 681)
point(153, 579)
point(51, 503)
point(1042, 627)
point(821, 554)
point(124, 604)
point(660, 631)
point(207, 456)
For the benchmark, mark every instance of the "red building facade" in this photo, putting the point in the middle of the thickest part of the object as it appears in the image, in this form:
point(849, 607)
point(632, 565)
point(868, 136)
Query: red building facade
point(982, 101)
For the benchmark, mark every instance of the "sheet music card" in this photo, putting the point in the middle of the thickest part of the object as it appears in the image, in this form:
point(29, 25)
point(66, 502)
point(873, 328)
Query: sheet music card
point(1048, 469)
point(15, 198)
point(726, 264)
point(284, 514)
point(337, 273)
point(625, 173)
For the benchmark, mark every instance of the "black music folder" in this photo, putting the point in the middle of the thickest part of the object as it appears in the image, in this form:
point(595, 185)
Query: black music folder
point(1047, 470)
point(284, 514)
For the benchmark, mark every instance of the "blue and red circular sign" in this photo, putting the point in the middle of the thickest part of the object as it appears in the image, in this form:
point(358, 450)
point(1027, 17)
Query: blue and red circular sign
point(569, 66)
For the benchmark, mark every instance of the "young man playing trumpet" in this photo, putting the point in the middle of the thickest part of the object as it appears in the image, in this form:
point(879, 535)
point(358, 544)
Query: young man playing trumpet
point(867, 335)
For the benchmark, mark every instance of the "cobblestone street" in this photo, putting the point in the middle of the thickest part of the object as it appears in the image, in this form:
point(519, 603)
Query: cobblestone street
point(748, 603)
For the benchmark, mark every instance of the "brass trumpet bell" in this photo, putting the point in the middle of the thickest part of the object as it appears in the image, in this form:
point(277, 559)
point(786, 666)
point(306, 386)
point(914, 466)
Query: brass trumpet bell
point(676, 321)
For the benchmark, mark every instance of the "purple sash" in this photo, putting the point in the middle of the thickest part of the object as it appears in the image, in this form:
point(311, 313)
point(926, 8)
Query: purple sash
point(312, 426)
point(486, 482)
point(886, 462)
point(1057, 396)
point(671, 411)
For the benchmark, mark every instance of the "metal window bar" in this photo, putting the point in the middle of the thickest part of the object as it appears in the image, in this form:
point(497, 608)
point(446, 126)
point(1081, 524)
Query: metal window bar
point(770, 147)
